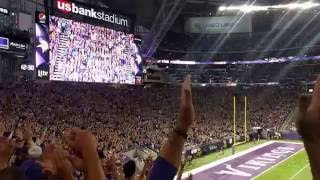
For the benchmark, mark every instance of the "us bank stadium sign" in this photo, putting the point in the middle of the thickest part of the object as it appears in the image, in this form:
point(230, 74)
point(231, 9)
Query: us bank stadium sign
point(73, 8)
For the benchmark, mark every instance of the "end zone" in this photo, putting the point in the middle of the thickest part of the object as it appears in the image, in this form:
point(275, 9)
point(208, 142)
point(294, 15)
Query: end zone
point(248, 164)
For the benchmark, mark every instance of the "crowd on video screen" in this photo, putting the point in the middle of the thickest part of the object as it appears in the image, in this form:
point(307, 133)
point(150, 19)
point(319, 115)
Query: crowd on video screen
point(86, 53)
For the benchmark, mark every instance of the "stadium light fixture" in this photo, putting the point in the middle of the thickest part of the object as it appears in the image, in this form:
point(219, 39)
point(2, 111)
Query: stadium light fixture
point(287, 6)
point(305, 5)
point(309, 5)
point(222, 8)
point(251, 8)
point(244, 8)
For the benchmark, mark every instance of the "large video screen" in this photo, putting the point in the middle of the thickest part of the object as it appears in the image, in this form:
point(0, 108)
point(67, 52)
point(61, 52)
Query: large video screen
point(83, 52)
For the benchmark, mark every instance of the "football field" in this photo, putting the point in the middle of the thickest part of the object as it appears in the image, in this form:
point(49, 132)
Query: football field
point(261, 161)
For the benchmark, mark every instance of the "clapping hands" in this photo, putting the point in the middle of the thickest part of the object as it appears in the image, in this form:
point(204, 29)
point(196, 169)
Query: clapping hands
point(54, 162)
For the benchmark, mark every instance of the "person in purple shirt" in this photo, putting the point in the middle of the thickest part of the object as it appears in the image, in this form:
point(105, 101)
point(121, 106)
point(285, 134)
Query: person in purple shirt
point(167, 164)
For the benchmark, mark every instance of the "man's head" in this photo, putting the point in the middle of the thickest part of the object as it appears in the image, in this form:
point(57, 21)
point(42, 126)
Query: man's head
point(35, 152)
point(129, 169)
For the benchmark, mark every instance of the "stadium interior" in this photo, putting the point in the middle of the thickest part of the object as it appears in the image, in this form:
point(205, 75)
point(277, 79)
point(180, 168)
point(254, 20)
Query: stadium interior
point(159, 89)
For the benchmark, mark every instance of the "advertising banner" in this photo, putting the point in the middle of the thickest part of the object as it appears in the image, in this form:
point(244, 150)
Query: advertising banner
point(12, 45)
point(17, 46)
point(42, 46)
point(93, 15)
point(210, 148)
point(219, 25)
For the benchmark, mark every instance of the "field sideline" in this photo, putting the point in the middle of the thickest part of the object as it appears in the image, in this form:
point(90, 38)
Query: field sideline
point(204, 160)
point(292, 165)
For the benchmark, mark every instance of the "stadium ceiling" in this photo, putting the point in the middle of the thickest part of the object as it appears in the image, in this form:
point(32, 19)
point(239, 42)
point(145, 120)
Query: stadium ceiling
point(147, 13)
point(146, 10)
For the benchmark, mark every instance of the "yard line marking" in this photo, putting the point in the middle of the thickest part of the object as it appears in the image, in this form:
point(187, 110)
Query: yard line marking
point(296, 174)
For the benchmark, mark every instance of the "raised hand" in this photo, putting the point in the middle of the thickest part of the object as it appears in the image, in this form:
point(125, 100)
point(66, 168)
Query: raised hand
point(27, 131)
point(54, 162)
point(308, 121)
point(308, 124)
point(84, 144)
point(109, 163)
point(186, 114)
point(19, 134)
point(48, 161)
point(80, 140)
point(77, 163)
point(302, 122)
point(2, 128)
point(110, 166)
point(171, 151)
point(7, 148)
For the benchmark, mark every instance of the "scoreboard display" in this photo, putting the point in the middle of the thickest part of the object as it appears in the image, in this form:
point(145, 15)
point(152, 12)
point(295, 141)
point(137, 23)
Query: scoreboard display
point(83, 52)
point(79, 43)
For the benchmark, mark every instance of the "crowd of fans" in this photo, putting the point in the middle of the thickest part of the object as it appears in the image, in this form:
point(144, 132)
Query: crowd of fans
point(75, 153)
point(125, 117)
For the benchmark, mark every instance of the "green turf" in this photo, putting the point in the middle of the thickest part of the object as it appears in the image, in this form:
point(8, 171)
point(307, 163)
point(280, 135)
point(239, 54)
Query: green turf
point(305, 174)
point(295, 168)
point(204, 160)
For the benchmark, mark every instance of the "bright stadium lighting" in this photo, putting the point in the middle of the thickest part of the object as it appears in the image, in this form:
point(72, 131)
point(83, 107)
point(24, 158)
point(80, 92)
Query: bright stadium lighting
point(309, 5)
point(232, 84)
point(222, 8)
point(244, 8)
point(293, 6)
point(252, 8)
point(247, 9)
point(306, 5)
